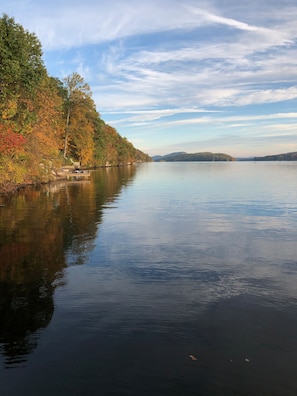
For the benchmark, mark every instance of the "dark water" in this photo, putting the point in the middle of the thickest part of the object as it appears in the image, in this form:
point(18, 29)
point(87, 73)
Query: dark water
point(107, 287)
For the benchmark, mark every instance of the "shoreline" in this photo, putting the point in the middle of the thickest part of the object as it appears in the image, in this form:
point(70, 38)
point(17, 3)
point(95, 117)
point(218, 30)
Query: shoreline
point(11, 188)
point(62, 174)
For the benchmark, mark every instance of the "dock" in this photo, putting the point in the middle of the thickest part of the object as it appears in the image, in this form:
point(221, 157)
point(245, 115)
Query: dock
point(78, 175)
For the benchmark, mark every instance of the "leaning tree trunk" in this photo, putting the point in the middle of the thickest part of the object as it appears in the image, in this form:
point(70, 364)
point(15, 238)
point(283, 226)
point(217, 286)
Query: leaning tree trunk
point(66, 134)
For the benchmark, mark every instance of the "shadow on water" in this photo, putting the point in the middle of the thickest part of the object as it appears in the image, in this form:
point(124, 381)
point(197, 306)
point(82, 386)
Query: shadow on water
point(38, 226)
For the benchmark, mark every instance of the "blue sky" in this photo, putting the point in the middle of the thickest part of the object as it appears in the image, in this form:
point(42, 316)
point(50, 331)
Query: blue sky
point(170, 76)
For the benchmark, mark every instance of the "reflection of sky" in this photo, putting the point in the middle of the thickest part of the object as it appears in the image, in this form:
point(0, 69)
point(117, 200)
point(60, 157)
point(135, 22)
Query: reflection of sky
point(216, 229)
point(189, 258)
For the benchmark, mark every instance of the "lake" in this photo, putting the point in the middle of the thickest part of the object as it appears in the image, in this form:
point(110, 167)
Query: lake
point(158, 279)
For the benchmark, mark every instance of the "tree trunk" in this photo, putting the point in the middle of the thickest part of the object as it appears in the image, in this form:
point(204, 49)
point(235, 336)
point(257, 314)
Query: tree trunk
point(66, 134)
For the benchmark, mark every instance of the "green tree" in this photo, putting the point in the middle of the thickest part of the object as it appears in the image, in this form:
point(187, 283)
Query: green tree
point(21, 72)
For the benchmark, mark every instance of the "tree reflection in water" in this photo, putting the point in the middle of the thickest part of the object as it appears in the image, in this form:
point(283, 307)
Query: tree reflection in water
point(24, 310)
point(38, 226)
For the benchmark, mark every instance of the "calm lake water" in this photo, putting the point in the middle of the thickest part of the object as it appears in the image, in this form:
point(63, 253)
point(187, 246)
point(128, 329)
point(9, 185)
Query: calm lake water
point(108, 286)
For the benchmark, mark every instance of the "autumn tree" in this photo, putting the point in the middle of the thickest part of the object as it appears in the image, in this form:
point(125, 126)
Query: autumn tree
point(44, 141)
point(43, 120)
point(80, 115)
point(11, 143)
point(113, 149)
point(81, 132)
point(12, 146)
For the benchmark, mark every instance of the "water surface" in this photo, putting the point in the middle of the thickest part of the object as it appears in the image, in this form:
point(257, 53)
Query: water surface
point(107, 287)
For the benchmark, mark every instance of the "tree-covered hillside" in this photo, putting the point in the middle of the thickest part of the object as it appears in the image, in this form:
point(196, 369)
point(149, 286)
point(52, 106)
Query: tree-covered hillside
point(278, 157)
point(44, 122)
point(181, 156)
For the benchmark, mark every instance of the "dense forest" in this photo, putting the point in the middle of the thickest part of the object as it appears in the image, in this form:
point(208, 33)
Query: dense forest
point(46, 123)
point(182, 156)
point(278, 157)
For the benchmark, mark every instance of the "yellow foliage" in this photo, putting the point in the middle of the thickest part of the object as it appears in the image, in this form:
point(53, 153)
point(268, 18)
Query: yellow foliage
point(10, 109)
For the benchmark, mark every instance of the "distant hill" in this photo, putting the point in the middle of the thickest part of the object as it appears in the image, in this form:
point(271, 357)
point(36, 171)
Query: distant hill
point(182, 156)
point(157, 158)
point(278, 157)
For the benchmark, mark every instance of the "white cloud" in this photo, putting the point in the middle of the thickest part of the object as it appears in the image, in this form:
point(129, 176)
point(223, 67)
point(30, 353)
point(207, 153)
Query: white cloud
point(208, 17)
point(74, 23)
point(227, 120)
point(164, 64)
point(219, 73)
point(266, 96)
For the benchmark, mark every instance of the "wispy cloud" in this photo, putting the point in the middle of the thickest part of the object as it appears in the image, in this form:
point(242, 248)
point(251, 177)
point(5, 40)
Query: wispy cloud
point(167, 66)
point(75, 23)
point(225, 120)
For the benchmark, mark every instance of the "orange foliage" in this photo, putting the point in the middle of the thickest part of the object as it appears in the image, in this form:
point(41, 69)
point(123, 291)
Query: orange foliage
point(11, 142)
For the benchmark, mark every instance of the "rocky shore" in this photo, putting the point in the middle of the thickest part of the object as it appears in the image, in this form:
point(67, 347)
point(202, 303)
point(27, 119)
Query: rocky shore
point(8, 188)
point(60, 174)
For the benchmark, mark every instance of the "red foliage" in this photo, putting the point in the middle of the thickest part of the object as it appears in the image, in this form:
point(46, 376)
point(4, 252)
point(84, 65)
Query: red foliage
point(10, 142)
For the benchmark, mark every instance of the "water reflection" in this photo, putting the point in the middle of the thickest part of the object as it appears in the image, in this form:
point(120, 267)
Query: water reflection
point(43, 230)
point(190, 259)
point(25, 309)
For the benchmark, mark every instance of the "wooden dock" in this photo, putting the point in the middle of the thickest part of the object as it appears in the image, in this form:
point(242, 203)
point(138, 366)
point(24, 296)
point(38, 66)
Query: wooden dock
point(78, 175)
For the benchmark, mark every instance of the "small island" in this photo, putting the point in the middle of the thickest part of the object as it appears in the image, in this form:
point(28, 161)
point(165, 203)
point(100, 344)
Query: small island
point(182, 156)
